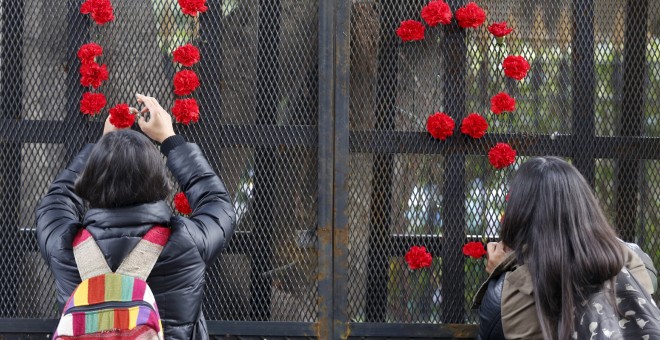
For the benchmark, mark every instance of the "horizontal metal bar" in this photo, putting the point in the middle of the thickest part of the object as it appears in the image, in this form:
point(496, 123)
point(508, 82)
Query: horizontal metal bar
point(399, 244)
point(405, 330)
point(262, 328)
point(408, 142)
point(54, 131)
point(9, 325)
point(47, 326)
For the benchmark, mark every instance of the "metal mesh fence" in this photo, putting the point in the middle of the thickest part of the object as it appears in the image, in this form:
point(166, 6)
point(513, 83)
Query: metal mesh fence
point(257, 128)
point(592, 96)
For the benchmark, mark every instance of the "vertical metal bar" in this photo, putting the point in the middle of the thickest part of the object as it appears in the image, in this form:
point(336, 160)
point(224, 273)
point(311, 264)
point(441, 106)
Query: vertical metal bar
point(341, 168)
point(584, 85)
point(77, 34)
point(266, 159)
point(383, 169)
point(632, 116)
point(453, 196)
point(325, 167)
point(10, 152)
point(210, 46)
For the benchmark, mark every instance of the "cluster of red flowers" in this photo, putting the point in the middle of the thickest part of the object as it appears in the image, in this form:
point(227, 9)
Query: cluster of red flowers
point(93, 74)
point(186, 110)
point(474, 249)
point(181, 203)
point(417, 257)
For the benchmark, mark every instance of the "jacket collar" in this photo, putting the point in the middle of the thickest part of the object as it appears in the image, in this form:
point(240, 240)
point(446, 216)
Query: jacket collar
point(142, 214)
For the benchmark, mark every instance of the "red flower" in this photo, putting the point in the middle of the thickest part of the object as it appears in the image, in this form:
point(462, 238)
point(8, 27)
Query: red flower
point(470, 16)
point(417, 257)
point(436, 12)
point(185, 82)
point(181, 203)
point(185, 110)
point(191, 7)
point(502, 102)
point(411, 30)
point(88, 52)
point(93, 74)
point(186, 55)
point(121, 117)
point(92, 103)
point(499, 29)
point(474, 125)
point(440, 125)
point(474, 249)
point(101, 10)
point(515, 67)
point(501, 155)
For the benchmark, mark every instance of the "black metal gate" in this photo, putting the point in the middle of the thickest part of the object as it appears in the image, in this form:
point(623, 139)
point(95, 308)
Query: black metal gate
point(313, 113)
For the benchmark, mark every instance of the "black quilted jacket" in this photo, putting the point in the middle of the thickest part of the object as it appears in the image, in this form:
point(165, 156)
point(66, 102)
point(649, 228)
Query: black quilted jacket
point(177, 279)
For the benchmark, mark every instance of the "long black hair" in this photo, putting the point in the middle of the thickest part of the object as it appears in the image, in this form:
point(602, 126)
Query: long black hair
point(124, 168)
point(557, 228)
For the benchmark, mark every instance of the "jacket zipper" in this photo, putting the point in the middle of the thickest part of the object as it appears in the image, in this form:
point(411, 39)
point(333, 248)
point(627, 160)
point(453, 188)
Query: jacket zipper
point(108, 305)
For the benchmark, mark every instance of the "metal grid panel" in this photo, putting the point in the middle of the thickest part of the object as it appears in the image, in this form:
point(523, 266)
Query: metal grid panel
point(258, 129)
point(591, 97)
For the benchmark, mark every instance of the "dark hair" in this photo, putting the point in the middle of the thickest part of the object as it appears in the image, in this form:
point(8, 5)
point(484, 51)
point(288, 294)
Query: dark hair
point(557, 228)
point(124, 168)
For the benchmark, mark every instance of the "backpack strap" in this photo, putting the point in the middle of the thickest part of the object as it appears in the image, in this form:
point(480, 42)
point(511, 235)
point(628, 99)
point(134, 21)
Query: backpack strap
point(89, 258)
point(141, 260)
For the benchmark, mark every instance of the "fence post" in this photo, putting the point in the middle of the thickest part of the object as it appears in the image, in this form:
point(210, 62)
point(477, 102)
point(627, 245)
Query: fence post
point(10, 152)
point(627, 181)
point(341, 168)
point(584, 84)
point(265, 160)
point(453, 196)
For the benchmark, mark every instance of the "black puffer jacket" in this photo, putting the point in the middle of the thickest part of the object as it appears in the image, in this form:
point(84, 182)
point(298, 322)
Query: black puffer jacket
point(177, 279)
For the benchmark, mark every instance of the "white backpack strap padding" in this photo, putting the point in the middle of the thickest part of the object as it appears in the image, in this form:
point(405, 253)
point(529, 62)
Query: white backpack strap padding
point(141, 260)
point(89, 258)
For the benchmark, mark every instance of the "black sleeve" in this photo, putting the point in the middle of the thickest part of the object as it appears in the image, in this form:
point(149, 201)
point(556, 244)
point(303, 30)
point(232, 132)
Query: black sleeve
point(490, 311)
point(61, 210)
point(211, 223)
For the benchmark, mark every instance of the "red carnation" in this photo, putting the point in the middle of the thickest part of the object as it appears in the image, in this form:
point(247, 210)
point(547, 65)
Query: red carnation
point(185, 110)
point(436, 12)
point(499, 29)
point(411, 30)
point(474, 125)
point(440, 125)
point(185, 82)
point(121, 116)
point(101, 10)
point(93, 74)
point(186, 55)
point(470, 16)
point(474, 249)
point(417, 257)
point(502, 102)
point(181, 203)
point(191, 7)
point(515, 67)
point(501, 155)
point(92, 103)
point(88, 52)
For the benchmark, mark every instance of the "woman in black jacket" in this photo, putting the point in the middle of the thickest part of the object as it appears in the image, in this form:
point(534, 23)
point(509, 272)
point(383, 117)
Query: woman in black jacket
point(124, 181)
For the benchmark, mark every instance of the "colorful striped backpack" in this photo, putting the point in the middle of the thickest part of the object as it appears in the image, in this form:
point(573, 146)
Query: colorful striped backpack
point(117, 305)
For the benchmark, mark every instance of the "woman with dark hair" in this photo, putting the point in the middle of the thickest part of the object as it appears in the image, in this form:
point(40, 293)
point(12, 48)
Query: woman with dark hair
point(557, 252)
point(124, 180)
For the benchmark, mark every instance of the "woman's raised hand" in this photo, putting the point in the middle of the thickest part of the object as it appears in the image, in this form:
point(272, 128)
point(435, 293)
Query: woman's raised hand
point(158, 125)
